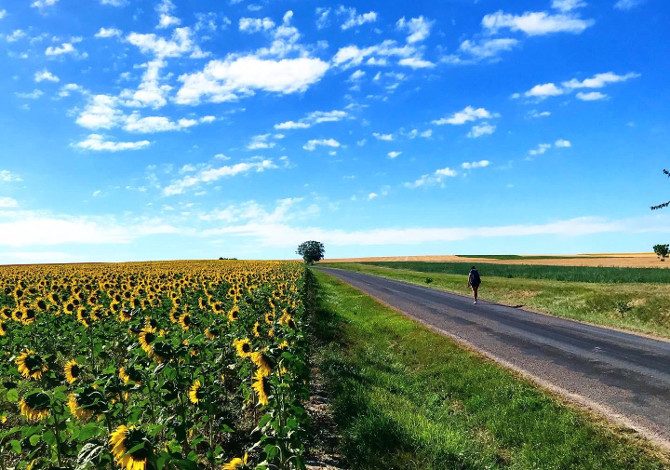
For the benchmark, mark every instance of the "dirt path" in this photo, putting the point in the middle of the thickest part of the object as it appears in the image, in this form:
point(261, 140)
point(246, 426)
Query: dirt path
point(622, 376)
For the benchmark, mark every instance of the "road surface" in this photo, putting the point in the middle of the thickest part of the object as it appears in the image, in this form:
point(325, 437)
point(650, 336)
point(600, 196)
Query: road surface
point(623, 376)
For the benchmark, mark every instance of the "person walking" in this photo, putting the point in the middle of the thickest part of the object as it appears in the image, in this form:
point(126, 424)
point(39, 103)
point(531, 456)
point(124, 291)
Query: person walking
point(474, 281)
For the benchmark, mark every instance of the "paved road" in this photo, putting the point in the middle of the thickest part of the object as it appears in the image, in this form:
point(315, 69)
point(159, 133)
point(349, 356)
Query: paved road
point(624, 376)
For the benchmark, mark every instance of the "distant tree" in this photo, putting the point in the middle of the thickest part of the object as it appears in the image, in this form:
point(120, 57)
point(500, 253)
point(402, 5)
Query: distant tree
point(662, 251)
point(663, 204)
point(311, 251)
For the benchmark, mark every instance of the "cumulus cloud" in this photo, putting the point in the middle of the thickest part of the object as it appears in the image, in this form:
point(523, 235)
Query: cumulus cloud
point(473, 51)
point(535, 23)
point(353, 19)
point(101, 112)
point(43, 4)
point(432, 179)
point(418, 29)
point(416, 63)
point(3, 13)
point(599, 80)
point(178, 45)
point(393, 154)
point(98, 143)
point(474, 165)
point(352, 55)
point(567, 5)
point(165, 17)
point(212, 174)
point(628, 4)
point(7, 176)
point(232, 78)
point(152, 124)
point(591, 96)
point(260, 142)
point(8, 202)
point(312, 144)
point(29, 95)
point(467, 114)
point(541, 149)
point(45, 76)
point(108, 33)
point(384, 137)
point(64, 48)
point(313, 118)
point(479, 130)
point(254, 25)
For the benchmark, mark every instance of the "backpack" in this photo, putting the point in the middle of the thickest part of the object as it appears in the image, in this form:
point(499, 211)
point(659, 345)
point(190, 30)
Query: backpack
point(474, 278)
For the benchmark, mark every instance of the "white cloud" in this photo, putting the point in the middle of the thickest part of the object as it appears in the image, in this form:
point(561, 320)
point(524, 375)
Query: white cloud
point(567, 5)
point(394, 154)
point(45, 75)
point(534, 114)
point(315, 117)
point(353, 19)
point(467, 114)
point(591, 96)
point(65, 48)
point(108, 33)
point(150, 92)
point(482, 49)
point(254, 25)
point(227, 80)
point(350, 56)
point(31, 95)
point(281, 234)
point(7, 176)
point(179, 44)
point(322, 17)
point(211, 174)
point(3, 13)
point(98, 143)
point(15, 35)
point(312, 144)
point(418, 28)
point(113, 3)
point(259, 142)
point(598, 80)
point(541, 149)
point(535, 23)
point(101, 112)
point(474, 165)
point(8, 202)
point(432, 179)
point(416, 63)
point(414, 133)
point(384, 137)
point(628, 4)
point(42, 4)
point(479, 130)
point(151, 124)
point(166, 19)
point(372, 196)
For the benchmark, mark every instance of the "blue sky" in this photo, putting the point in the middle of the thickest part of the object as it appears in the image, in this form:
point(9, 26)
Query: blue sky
point(180, 129)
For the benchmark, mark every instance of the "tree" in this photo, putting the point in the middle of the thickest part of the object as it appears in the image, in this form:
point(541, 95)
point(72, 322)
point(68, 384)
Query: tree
point(311, 251)
point(662, 251)
point(663, 204)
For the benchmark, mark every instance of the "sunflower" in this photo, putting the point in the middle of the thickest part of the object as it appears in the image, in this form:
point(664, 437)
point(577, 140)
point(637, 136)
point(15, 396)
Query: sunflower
point(195, 393)
point(260, 385)
point(3, 329)
point(87, 403)
point(83, 317)
point(129, 374)
point(146, 339)
point(185, 321)
point(243, 347)
point(31, 364)
point(257, 329)
point(212, 333)
point(131, 447)
point(28, 315)
point(234, 313)
point(72, 371)
point(236, 463)
point(35, 407)
point(285, 319)
point(69, 308)
point(261, 362)
point(270, 318)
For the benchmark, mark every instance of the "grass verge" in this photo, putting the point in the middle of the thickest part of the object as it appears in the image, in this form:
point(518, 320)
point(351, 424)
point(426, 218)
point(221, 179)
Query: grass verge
point(406, 397)
point(643, 308)
point(591, 274)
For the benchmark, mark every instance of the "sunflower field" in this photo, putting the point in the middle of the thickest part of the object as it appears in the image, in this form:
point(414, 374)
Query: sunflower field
point(162, 365)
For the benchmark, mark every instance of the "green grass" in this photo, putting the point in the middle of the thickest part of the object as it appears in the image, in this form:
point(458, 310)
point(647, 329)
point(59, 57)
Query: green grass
point(533, 271)
point(638, 307)
point(405, 397)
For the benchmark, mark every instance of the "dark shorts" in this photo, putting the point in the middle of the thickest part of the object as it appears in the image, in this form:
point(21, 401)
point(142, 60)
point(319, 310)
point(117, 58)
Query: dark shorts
point(476, 286)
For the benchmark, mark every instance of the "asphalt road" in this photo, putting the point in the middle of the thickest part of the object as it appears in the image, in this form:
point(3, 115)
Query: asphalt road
point(623, 376)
